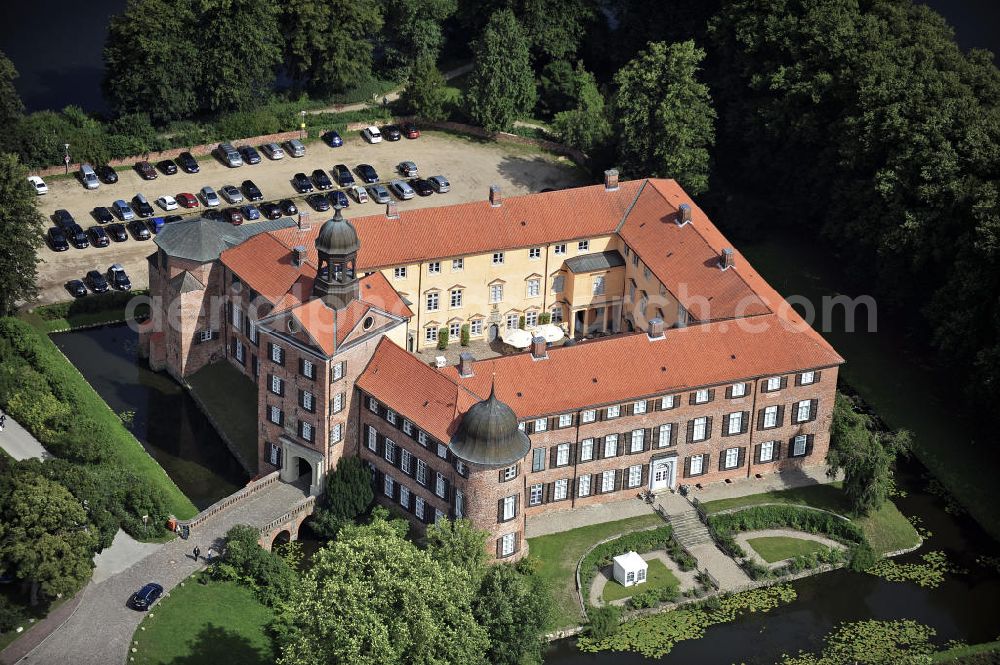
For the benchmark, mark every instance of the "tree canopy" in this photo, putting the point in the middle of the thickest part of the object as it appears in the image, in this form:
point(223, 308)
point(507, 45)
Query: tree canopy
point(11, 106)
point(414, 29)
point(513, 605)
point(502, 87)
point(348, 494)
point(585, 125)
point(424, 94)
point(22, 229)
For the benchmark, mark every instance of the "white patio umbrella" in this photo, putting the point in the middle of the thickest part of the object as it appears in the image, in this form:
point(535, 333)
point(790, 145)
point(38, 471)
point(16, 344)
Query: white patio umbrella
point(517, 338)
point(551, 332)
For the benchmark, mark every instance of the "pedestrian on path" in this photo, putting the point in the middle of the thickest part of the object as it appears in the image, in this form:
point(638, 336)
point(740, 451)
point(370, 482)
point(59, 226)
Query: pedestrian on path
point(209, 555)
point(385, 101)
point(3, 421)
point(197, 552)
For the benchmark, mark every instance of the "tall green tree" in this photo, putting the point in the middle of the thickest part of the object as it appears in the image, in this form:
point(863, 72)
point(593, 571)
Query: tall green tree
point(665, 115)
point(586, 125)
point(348, 494)
point(22, 229)
point(373, 598)
point(555, 28)
point(152, 62)
point(11, 106)
point(502, 87)
point(413, 29)
point(425, 93)
point(328, 43)
point(514, 606)
point(459, 543)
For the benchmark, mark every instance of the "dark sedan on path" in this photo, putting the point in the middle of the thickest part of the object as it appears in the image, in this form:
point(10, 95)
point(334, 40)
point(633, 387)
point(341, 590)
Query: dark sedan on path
point(139, 229)
point(57, 240)
point(368, 173)
point(344, 177)
point(98, 236)
point(167, 167)
point(188, 162)
point(103, 215)
point(339, 198)
point(252, 191)
point(321, 179)
point(144, 598)
point(117, 232)
point(271, 210)
point(76, 288)
point(288, 208)
point(422, 186)
point(391, 133)
point(302, 183)
point(319, 202)
point(249, 154)
point(107, 174)
point(96, 281)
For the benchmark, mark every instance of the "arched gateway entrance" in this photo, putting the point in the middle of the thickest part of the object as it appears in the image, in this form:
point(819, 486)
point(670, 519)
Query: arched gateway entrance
point(302, 465)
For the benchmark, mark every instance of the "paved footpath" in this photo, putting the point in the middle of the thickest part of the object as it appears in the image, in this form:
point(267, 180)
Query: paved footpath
point(19, 444)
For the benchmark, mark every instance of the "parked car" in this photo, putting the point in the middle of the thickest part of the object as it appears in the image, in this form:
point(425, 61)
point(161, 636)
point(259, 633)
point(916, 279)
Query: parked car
point(391, 133)
point(187, 200)
point(249, 154)
point(167, 167)
point(212, 213)
point(144, 598)
point(57, 240)
point(321, 179)
point(344, 177)
point(142, 206)
point(96, 281)
point(167, 202)
point(439, 183)
point(78, 237)
point(123, 210)
point(296, 148)
point(367, 173)
point(401, 189)
point(273, 150)
point(233, 215)
point(76, 288)
point(98, 236)
point(139, 229)
point(250, 212)
point(339, 198)
point(170, 219)
point(319, 202)
point(288, 208)
point(232, 193)
point(333, 139)
point(379, 193)
point(407, 169)
point(209, 196)
point(301, 183)
point(145, 170)
point(107, 174)
point(38, 185)
point(89, 177)
point(63, 218)
point(252, 191)
point(372, 134)
point(188, 163)
point(271, 210)
point(229, 155)
point(119, 278)
point(422, 187)
point(410, 131)
point(117, 232)
point(359, 193)
point(103, 215)
point(156, 224)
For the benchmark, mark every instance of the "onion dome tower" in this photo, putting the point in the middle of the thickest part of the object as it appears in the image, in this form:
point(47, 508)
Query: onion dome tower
point(488, 435)
point(336, 279)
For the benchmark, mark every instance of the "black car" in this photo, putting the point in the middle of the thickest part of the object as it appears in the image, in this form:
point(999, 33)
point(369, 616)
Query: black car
point(63, 219)
point(339, 198)
point(252, 191)
point(249, 154)
point(391, 133)
point(96, 281)
point(422, 186)
point(271, 210)
point(57, 239)
point(302, 183)
point(288, 208)
point(344, 177)
point(212, 213)
point(145, 170)
point(167, 167)
point(103, 215)
point(368, 173)
point(76, 288)
point(172, 218)
point(142, 207)
point(117, 232)
point(107, 174)
point(321, 179)
point(98, 236)
point(319, 202)
point(139, 229)
point(188, 163)
point(78, 236)
point(146, 596)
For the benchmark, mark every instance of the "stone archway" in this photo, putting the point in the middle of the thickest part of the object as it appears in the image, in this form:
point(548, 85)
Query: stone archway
point(300, 464)
point(281, 538)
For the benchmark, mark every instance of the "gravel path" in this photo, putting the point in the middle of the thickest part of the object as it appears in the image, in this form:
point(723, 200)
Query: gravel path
point(744, 537)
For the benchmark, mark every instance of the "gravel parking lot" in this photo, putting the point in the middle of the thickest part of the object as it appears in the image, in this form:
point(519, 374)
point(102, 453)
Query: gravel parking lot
point(469, 164)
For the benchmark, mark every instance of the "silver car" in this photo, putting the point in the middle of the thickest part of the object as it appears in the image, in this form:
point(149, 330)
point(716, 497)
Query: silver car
point(232, 194)
point(273, 150)
point(123, 210)
point(209, 196)
point(379, 193)
point(407, 169)
point(439, 183)
point(401, 189)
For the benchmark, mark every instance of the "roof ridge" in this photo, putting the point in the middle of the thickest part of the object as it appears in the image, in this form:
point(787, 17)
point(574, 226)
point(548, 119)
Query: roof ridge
point(628, 211)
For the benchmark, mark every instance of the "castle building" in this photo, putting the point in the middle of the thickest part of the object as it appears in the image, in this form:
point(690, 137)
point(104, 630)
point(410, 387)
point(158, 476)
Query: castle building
point(682, 365)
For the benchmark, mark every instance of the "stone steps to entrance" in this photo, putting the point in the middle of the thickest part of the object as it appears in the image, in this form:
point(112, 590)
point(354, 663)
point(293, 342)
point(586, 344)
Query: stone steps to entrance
point(688, 528)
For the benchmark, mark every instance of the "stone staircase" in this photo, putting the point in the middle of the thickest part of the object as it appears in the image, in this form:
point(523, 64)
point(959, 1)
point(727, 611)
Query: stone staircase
point(688, 529)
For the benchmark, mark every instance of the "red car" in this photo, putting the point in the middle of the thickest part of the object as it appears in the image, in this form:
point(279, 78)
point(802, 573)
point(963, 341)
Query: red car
point(146, 170)
point(410, 131)
point(186, 200)
point(233, 216)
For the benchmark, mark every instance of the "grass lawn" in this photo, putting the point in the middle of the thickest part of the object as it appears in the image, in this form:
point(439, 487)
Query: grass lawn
point(987, 653)
point(658, 576)
point(558, 555)
point(89, 311)
point(231, 399)
point(887, 529)
point(218, 622)
point(779, 548)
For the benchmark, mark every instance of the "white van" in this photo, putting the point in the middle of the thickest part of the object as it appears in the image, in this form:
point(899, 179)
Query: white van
point(89, 177)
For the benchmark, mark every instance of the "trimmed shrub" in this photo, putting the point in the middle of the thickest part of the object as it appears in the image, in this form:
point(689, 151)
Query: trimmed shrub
point(521, 322)
point(604, 621)
point(545, 317)
point(653, 597)
point(861, 557)
point(465, 334)
point(769, 517)
point(443, 338)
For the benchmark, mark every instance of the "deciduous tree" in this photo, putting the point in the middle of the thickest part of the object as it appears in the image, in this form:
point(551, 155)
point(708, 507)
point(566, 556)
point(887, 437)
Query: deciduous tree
point(425, 93)
point(586, 125)
point(502, 87)
point(459, 543)
point(513, 605)
point(555, 28)
point(413, 29)
point(348, 495)
point(11, 106)
point(22, 228)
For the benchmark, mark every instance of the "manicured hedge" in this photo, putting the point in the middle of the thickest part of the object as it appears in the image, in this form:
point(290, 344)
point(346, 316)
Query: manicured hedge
point(724, 526)
point(638, 541)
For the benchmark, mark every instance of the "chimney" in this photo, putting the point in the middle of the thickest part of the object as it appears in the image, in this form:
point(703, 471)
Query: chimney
point(495, 198)
point(391, 211)
point(655, 328)
point(611, 180)
point(683, 214)
point(465, 365)
point(298, 255)
point(726, 260)
point(538, 348)
point(304, 221)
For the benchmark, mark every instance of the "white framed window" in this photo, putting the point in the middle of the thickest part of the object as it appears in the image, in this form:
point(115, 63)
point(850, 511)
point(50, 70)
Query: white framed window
point(399, 273)
point(534, 287)
point(439, 484)
point(457, 265)
point(565, 419)
point(433, 300)
point(538, 460)
point(799, 445)
point(611, 445)
point(583, 486)
point(805, 378)
point(422, 438)
point(407, 427)
point(803, 410)
point(535, 253)
point(442, 451)
point(509, 510)
point(405, 460)
point(418, 507)
point(459, 504)
point(668, 402)
point(274, 415)
point(307, 431)
point(597, 285)
point(666, 434)
point(455, 298)
point(559, 249)
point(634, 475)
point(738, 390)
point(390, 451)
point(434, 267)
point(645, 272)
point(771, 416)
point(337, 403)
point(454, 330)
point(388, 485)
point(422, 472)
point(767, 451)
point(701, 396)
point(583, 246)
point(372, 438)
point(507, 544)
point(276, 385)
point(557, 314)
point(431, 334)
point(497, 258)
point(253, 332)
point(240, 353)
point(307, 400)
point(308, 369)
point(496, 293)
point(373, 405)
point(773, 383)
point(510, 473)
point(460, 467)
point(699, 429)
point(562, 454)
point(237, 317)
point(404, 496)
point(338, 370)
point(588, 416)
point(614, 411)
point(535, 495)
point(531, 318)
point(640, 407)
point(638, 439)
point(513, 321)
point(476, 327)
point(697, 464)
point(735, 423)
point(336, 433)
point(541, 424)
point(732, 458)
point(205, 335)
point(586, 450)
point(560, 489)
point(277, 355)
point(390, 415)
point(608, 481)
